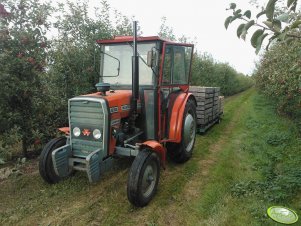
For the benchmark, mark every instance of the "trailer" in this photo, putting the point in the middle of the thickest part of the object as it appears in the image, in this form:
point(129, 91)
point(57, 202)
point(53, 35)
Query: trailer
point(210, 106)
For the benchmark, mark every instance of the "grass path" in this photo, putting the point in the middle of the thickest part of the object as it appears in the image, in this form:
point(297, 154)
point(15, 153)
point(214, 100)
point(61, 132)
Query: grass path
point(199, 192)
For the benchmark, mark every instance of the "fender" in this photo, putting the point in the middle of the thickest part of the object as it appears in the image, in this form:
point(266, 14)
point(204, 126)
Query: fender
point(65, 130)
point(176, 118)
point(158, 148)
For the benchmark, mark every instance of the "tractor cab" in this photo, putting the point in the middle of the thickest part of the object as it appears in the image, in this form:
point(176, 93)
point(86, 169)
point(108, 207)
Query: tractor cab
point(161, 62)
point(164, 73)
point(142, 109)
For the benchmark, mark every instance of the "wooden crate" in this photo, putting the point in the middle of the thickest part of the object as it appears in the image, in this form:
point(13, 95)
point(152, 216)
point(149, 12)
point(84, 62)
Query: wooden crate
point(209, 103)
point(221, 104)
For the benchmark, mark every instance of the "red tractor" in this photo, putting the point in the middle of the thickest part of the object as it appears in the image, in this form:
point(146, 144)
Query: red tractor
point(143, 109)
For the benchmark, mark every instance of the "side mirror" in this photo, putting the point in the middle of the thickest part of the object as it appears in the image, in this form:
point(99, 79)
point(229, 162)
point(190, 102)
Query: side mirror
point(150, 58)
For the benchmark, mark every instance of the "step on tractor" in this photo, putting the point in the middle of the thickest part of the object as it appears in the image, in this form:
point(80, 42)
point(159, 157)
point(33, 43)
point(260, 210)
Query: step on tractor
point(142, 109)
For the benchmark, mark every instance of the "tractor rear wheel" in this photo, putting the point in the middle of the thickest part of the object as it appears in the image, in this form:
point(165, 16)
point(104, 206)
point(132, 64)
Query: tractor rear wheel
point(143, 178)
point(46, 165)
point(181, 152)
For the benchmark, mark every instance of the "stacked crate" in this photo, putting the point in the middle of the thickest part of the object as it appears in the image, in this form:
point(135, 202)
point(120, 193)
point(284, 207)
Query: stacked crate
point(209, 104)
point(221, 104)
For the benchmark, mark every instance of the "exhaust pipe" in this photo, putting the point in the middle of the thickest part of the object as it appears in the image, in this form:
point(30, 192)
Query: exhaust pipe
point(135, 72)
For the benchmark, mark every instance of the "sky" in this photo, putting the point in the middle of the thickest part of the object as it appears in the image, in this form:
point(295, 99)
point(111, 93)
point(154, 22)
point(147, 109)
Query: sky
point(199, 20)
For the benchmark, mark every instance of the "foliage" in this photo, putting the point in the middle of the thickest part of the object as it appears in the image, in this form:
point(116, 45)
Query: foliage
point(275, 152)
point(39, 75)
point(207, 72)
point(44, 64)
point(74, 51)
point(23, 56)
point(199, 189)
point(74, 56)
point(165, 31)
point(278, 76)
point(279, 24)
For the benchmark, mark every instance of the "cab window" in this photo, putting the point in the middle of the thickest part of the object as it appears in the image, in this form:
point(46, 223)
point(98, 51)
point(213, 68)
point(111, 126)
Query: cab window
point(177, 62)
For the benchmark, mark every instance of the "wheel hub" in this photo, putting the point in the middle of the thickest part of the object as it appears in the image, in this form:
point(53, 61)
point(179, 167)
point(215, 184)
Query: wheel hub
point(189, 132)
point(149, 180)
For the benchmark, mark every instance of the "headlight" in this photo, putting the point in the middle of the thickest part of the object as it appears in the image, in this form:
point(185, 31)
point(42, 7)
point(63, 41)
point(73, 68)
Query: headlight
point(96, 134)
point(76, 131)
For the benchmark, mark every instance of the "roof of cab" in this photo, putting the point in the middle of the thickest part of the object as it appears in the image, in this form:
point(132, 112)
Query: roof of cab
point(120, 39)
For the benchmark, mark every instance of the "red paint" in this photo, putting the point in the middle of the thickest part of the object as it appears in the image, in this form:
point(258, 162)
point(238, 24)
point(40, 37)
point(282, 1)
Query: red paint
point(119, 39)
point(118, 98)
point(158, 148)
point(65, 130)
point(178, 109)
point(86, 132)
point(176, 119)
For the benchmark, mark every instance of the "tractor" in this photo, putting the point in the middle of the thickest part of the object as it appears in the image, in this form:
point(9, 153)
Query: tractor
point(142, 109)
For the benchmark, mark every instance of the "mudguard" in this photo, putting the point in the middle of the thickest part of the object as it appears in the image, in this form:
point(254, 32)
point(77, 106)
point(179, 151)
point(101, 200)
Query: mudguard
point(65, 130)
point(60, 158)
point(158, 148)
point(176, 117)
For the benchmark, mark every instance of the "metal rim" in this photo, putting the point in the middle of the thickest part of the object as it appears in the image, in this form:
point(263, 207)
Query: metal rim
point(189, 132)
point(149, 179)
point(282, 214)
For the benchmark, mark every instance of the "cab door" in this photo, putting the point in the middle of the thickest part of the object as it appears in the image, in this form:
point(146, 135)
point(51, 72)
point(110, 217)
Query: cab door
point(175, 78)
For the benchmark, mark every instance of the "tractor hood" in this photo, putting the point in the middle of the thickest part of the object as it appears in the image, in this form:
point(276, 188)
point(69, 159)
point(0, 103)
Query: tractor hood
point(119, 101)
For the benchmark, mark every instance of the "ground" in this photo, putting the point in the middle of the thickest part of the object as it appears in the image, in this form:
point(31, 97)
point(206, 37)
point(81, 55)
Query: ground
point(206, 190)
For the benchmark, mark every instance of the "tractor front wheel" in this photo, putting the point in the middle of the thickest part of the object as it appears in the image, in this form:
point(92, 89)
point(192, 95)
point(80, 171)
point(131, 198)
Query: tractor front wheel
point(143, 178)
point(46, 165)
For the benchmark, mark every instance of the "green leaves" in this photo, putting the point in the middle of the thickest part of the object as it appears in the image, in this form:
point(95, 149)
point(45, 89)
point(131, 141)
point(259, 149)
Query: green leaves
point(269, 24)
point(249, 24)
point(270, 8)
point(247, 14)
point(236, 14)
point(240, 30)
point(260, 14)
point(206, 71)
point(274, 26)
point(286, 25)
point(255, 36)
point(228, 21)
point(295, 24)
point(292, 4)
point(277, 25)
point(232, 6)
point(259, 42)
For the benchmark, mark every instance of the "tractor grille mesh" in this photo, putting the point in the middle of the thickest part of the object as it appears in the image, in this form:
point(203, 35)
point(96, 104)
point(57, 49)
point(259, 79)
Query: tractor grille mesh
point(87, 115)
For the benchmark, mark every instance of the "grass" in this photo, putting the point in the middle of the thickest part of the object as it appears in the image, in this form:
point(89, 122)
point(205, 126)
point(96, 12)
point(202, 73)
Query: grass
point(239, 168)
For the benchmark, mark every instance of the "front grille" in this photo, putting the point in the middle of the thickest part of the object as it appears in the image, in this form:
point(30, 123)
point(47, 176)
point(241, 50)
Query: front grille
point(87, 114)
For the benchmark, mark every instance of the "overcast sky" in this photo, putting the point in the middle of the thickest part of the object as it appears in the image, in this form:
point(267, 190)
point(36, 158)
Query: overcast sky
point(203, 20)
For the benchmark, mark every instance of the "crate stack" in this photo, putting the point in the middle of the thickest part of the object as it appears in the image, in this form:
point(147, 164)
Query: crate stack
point(221, 104)
point(209, 104)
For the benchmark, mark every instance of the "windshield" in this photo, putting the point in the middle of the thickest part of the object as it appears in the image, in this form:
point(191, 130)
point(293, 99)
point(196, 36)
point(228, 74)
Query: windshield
point(118, 57)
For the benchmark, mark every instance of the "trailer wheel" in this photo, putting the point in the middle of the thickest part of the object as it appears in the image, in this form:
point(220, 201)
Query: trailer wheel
point(46, 165)
point(143, 178)
point(182, 152)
